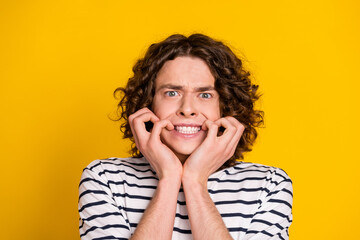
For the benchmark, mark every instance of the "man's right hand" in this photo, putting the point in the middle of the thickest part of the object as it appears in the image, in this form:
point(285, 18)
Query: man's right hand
point(162, 159)
point(158, 219)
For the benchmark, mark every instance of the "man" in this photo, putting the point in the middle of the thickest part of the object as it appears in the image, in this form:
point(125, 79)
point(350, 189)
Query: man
point(189, 109)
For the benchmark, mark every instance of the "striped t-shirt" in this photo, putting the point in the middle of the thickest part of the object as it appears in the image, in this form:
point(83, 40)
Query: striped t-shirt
point(254, 200)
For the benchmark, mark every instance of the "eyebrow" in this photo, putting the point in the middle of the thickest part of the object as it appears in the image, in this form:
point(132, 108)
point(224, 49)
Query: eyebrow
point(179, 87)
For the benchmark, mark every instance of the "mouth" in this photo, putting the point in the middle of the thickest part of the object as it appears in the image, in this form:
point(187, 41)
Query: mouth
point(188, 129)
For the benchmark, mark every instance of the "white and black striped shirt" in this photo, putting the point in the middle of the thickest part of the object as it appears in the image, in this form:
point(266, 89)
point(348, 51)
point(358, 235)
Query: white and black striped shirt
point(254, 200)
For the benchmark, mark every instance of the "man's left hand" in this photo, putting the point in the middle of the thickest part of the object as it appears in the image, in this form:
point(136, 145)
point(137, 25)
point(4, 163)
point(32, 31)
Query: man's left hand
point(214, 151)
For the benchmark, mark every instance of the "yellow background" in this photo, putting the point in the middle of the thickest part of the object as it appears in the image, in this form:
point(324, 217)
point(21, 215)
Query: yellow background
point(61, 60)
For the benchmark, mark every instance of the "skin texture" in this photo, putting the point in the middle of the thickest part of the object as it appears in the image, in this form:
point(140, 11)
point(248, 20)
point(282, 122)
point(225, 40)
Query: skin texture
point(185, 97)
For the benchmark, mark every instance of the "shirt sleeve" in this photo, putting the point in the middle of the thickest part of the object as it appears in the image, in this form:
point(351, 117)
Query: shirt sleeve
point(274, 215)
point(100, 216)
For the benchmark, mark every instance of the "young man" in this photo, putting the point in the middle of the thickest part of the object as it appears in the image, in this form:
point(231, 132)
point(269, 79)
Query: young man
point(189, 109)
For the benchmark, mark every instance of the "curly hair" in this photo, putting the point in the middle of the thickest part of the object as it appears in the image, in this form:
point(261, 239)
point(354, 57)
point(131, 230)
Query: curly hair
point(232, 82)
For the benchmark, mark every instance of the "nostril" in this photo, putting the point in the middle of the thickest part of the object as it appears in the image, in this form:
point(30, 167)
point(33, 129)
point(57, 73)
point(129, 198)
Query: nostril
point(192, 114)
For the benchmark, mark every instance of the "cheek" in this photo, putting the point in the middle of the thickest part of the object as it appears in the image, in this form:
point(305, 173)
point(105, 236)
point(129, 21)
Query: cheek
point(162, 109)
point(156, 106)
point(213, 112)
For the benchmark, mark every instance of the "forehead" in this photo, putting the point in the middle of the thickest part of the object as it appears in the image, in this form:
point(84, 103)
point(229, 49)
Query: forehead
point(185, 71)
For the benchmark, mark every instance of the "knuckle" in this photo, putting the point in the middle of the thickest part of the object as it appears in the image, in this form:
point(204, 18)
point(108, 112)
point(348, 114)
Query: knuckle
point(165, 121)
point(213, 126)
point(208, 122)
point(137, 121)
point(233, 128)
point(162, 121)
point(230, 118)
point(157, 124)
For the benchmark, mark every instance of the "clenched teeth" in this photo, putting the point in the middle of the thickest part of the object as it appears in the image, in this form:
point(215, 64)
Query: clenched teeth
point(187, 130)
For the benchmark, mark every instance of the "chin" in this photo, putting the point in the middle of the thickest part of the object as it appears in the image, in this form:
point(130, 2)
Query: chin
point(183, 152)
point(182, 147)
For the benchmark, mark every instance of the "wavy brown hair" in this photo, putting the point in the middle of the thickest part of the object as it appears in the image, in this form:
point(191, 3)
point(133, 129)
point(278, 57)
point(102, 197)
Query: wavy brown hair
point(237, 93)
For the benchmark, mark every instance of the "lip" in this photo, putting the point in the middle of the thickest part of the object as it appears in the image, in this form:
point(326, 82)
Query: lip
point(187, 125)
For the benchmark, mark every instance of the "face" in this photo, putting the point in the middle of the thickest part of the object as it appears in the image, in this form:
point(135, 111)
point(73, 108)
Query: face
point(185, 94)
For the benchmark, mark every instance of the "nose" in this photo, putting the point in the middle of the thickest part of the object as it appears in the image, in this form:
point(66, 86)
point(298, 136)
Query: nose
point(187, 107)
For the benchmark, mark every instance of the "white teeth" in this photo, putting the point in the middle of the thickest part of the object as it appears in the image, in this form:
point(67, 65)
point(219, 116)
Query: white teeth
point(187, 130)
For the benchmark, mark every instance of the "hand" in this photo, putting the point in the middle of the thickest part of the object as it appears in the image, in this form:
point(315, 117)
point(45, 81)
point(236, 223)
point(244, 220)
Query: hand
point(160, 157)
point(214, 151)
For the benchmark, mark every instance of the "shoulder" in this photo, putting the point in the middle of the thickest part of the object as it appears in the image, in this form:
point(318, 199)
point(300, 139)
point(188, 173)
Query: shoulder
point(118, 168)
point(248, 169)
point(254, 176)
point(116, 164)
point(275, 182)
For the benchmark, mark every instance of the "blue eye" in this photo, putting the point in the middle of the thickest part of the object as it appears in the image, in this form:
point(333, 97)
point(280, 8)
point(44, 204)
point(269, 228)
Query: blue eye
point(171, 93)
point(205, 95)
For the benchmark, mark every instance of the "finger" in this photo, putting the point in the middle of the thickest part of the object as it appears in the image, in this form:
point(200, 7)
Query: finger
point(212, 129)
point(230, 129)
point(139, 112)
point(159, 126)
point(138, 127)
point(239, 126)
point(230, 138)
point(236, 138)
point(141, 119)
point(205, 124)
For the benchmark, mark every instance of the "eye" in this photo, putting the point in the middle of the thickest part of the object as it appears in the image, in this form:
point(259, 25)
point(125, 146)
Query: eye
point(205, 95)
point(171, 93)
